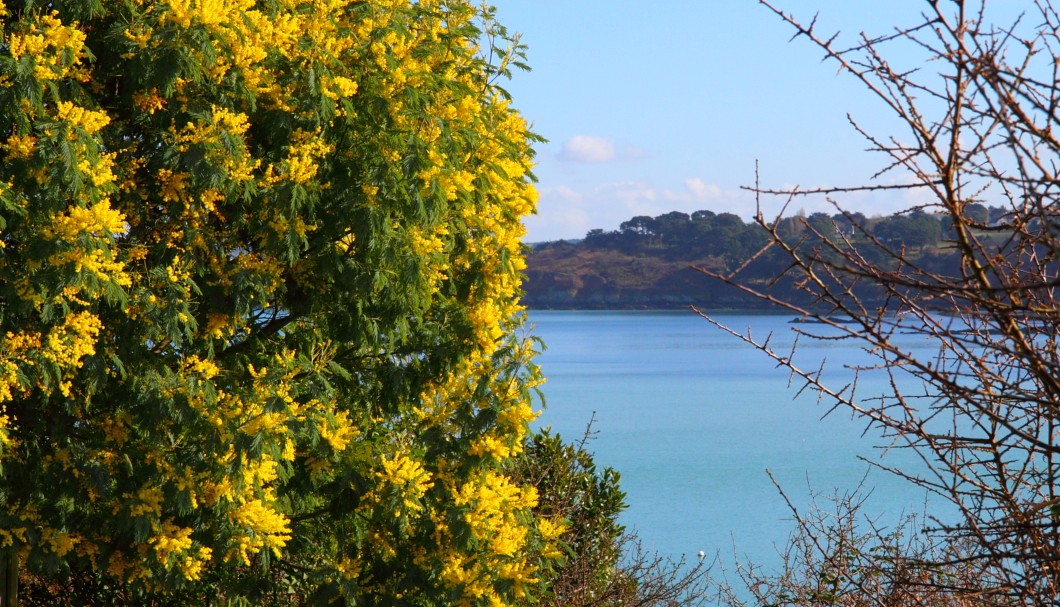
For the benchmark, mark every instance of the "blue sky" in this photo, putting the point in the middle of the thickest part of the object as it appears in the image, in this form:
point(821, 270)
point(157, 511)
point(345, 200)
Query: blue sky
point(655, 107)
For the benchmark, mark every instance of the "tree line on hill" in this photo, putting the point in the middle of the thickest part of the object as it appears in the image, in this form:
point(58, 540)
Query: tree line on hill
point(648, 262)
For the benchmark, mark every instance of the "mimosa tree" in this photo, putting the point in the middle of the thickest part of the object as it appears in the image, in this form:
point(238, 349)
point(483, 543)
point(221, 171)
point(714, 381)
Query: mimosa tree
point(260, 272)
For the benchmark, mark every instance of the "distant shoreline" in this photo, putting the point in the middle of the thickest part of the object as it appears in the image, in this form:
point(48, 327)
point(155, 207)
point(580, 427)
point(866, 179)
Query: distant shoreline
point(686, 308)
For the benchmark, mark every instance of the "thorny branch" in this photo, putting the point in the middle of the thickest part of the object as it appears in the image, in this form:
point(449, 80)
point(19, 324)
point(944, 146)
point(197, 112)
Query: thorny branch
point(980, 110)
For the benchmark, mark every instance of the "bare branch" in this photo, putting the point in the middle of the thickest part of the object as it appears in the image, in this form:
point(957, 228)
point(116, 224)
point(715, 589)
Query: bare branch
point(980, 112)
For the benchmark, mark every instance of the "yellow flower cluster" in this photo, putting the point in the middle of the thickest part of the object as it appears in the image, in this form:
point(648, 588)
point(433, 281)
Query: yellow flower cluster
point(146, 501)
point(95, 262)
point(206, 12)
point(100, 173)
point(98, 220)
point(265, 529)
point(493, 507)
point(205, 368)
point(339, 87)
point(20, 147)
point(171, 539)
point(89, 231)
point(55, 49)
point(550, 531)
point(234, 123)
point(73, 340)
point(428, 244)
point(221, 137)
point(304, 156)
point(8, 537)
point(245, 411)
point(491, 446)
point(240, 35)
point(149, 101)
point(5, 420)
point(431, 247)
point(265, 268)
point(174, 547)
point(58, 542)
point(408, 475)
point(337, 430)
point(493, 502)
point(90, 121)
point(17, 350)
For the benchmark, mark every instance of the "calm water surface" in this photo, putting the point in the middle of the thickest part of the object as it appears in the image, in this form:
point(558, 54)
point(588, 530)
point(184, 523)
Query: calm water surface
point(692, 418)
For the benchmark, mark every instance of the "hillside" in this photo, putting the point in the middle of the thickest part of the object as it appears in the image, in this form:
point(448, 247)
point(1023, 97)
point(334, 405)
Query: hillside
point(566, 276)
point(649, 263)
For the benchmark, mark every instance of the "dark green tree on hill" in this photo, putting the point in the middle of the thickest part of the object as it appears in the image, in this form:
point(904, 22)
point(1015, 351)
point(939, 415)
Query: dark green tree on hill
point(646, 263)
point(916, 230)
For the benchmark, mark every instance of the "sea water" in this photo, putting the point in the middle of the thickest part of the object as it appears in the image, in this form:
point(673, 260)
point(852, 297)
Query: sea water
point(693, 419)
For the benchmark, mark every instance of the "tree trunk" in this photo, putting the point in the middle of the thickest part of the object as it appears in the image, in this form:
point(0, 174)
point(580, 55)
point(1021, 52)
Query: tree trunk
point(8, 581)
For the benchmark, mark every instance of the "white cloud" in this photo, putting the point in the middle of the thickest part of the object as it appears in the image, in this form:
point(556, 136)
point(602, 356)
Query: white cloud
point(587, 149)
point(566, 212)
point(702, 191)
point(563, 193)
point(638, 197)
point(560, 214)
point(569, 211)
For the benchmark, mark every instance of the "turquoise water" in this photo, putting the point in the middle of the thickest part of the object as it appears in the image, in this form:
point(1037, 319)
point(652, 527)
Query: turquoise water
point(692, 418)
